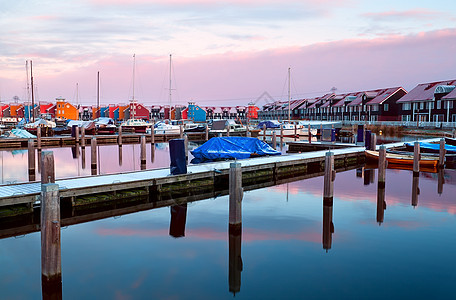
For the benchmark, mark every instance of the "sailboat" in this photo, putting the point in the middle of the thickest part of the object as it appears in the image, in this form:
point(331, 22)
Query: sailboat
point(133, 124)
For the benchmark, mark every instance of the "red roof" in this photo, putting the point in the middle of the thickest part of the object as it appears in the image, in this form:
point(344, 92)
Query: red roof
point(425, 91)
point(384, 94)
point(451, 95)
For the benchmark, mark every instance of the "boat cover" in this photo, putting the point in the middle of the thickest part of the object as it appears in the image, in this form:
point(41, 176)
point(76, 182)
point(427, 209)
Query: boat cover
point(434, 147)
point(21, 133)
point(233, 147)
point(269, 124)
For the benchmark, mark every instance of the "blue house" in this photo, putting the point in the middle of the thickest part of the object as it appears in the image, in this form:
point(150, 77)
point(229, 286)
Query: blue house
point(28, 111)
point(195, 113)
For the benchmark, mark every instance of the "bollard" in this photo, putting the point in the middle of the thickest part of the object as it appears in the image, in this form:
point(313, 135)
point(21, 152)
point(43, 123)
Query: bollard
point(178, 163)
point(236, 192)
point(119, 138)
point(367, 139)
point(381, 166)
point(442, 153)
point(83, 140)
point(143, 152)
point(416, 159)
point(207, 133)
point(360, 135)
point(152, 153)
point(264, 132)
point(93, 155)
point(38, 138)
point(152, 133)
point(274, 140)
point(181, 131)
point(330, 174)
point(47, 167)
point(31, 160)
point(373, 142)
point(76, 135)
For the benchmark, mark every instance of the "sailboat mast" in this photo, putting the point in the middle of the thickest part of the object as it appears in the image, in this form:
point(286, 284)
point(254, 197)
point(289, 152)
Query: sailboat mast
point(170, 84)
point(98, 94)
point(77, 97)
point(289, 114)
point(33, 96)
point(133, 104)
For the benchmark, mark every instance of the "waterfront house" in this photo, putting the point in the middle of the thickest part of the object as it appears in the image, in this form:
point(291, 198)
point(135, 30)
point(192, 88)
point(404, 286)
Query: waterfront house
point(47, 110)
point(252, 111)
point(427, 102)
point(195, 113)
point(66, 110)
point(138, 111)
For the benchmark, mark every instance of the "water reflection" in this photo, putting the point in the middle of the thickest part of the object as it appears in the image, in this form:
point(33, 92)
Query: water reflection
point(328, 226)
point(178, 220)
point(415, 189)
point(381, 204)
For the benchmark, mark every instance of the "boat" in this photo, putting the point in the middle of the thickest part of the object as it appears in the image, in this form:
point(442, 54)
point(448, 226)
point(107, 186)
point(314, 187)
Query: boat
point(220, 126)
point(450, 159)
point(450, 141)
point(232, 147)
point(105, 125)
point(135, 125)
point(431, 148)
point(274, 126)
point(194, 127)
point(403, 159)
point(47, 127)
point(163, 127)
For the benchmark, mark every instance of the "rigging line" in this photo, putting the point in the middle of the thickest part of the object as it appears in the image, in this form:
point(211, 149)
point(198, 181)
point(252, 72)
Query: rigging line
point(284, 85)
point(175, 82)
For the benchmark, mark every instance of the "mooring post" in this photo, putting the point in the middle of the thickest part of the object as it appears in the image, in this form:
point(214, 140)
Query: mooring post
point(281, 133)
point(309, 133)
point(186, 146)
point(247, 130)
point(207, 132)
point(76, 135)
point(373, 142)
point(152, 133)
point(274, 140)
point(83, 140)
point(152, 153)
point(442, 153)
point(31, 160)
point(228, 130)
point(236, 192)
point(143, 152)
point(178, 163)
point(381, 166)
point(295, 131)
point(330, 175)
point(93, 155)
point(38, 138)
point(50, 225)
point(181, 131)
point(264, 132)
point(416, 158)
point(119, 138)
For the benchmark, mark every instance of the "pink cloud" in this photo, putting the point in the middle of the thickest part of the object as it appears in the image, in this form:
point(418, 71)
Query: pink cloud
point(415, 14)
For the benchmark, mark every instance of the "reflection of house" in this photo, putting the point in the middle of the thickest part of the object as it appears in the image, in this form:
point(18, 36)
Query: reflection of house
point(430, 102)
point(66, 110)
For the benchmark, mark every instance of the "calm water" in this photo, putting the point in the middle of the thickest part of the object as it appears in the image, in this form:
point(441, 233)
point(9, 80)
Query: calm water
point(283, 254)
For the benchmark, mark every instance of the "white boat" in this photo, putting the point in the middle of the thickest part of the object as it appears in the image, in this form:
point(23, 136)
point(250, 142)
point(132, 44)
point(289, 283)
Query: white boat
point(220, 126)
point(164, 128)
point(135, 124)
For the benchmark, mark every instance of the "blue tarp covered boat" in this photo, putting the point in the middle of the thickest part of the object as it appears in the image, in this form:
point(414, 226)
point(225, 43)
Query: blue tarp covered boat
point(269, 124)
point(431, 148)
point(233, 147)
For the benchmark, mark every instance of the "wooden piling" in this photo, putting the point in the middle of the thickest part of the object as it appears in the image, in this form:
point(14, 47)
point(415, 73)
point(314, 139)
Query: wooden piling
point(330, 175)
point(228, 130)
point(381, 166)
point(281, 133)
point(186, 146)
point(206, 137)
point(93, 155)
point(235, 259)
point(295, 131)
point(143, 152)
point(236, 192)
point(38, 138)
point(416, 159)
point(47, 167)
point(309, 133)
point(83, 140)
point(152, 153)
point(328, 226)
point(76, 135)
point(31, 160)
point(247, 130)
point(181, 131)
point(442, 153)
point(373, 142)
point(274, 140)
point(264, 132)
point(119, 138)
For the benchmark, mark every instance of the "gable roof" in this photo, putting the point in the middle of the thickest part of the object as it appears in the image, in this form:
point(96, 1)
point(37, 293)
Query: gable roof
point(425, 91)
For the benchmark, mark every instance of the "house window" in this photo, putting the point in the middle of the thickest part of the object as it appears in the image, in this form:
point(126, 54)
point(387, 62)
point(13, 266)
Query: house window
point(448, 103)
point(421, 105)
point(385, 107)
point(406, 106)
point(439, 104)
point(374, 107)
point(429, 105)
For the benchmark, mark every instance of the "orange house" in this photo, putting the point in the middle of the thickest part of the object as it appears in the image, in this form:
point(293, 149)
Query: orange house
point(122, 109)
point(66, 110)
point(15, 110)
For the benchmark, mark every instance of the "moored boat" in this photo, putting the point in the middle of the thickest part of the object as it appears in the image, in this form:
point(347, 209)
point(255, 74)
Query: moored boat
point(135, 125)
point(403, 159)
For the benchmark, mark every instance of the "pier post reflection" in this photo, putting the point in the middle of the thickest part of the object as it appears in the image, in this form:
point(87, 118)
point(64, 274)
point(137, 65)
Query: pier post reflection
point(178, 220)
point(235, 228)
point(93, 156)
point(83, 157)
point(381, 204)
point(328, 193)
point(120, 155)
point(152, 153)
point(415, 188)
point(441, 181)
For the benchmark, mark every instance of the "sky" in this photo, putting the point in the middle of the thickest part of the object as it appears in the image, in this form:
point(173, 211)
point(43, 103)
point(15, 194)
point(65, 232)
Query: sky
point(223, 52)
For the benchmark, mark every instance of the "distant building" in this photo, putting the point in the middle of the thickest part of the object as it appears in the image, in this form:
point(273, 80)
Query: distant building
point(195, 113)
point(66, 110)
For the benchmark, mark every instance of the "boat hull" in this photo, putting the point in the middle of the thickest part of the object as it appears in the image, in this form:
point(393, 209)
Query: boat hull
point(406, 160)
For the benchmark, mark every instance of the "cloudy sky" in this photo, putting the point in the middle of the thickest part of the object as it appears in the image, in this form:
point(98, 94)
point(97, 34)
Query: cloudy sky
point(223, 51)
